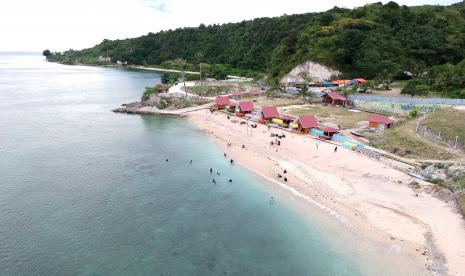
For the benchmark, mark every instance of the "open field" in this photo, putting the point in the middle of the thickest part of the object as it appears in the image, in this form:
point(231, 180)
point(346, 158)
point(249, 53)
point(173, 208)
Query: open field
point(211, 89)
point(450, 122)
point(404, 141)
point(331, 115)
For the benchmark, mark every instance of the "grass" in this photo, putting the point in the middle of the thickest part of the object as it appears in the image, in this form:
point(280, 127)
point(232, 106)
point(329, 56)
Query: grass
point(450, 122)
point(402, 140)
point(334, 115)
point(399, 84)
point(148, 92)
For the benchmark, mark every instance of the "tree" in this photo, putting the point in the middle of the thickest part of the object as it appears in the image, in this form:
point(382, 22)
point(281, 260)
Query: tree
point(181, 63)
point(218, 72)
point(387, 69)
point(165, 78)
point(304, 91)
point(199, 56)
point(46, 53)
point(414, 88)
point(275, 85)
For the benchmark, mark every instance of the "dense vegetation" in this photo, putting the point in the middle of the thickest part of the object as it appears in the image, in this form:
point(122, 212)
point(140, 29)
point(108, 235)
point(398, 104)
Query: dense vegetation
point(373, 41)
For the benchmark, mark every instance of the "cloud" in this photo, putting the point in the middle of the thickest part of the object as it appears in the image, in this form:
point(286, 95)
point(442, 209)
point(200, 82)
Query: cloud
point(159, 5)
point(31, 25)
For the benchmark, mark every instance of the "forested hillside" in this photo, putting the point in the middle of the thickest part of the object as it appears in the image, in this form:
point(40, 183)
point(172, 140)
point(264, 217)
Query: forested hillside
point(368, 41)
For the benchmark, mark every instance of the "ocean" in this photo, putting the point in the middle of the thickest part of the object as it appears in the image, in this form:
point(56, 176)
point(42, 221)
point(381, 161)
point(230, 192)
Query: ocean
point(84, 191)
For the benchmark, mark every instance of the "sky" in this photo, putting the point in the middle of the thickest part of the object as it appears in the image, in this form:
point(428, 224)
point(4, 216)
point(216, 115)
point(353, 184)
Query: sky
point(32, 25)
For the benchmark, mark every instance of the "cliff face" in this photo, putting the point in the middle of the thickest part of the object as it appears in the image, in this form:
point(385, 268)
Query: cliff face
point(310, 71)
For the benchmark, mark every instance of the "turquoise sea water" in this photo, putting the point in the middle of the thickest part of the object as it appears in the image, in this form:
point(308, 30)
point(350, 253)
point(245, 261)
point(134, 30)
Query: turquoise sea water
point(84, 191)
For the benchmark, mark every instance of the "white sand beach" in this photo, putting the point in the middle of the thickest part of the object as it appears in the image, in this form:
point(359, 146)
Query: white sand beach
point(373, 197)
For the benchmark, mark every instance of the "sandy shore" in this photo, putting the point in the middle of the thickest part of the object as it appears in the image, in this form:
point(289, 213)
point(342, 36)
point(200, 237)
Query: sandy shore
point(368, 196)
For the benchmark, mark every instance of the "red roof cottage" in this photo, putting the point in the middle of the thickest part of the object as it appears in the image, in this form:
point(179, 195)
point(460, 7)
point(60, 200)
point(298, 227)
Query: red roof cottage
point(333, 98)
point(379, 121)
point(243, 108)
point(222, 101)
point(306, 122)
point(269, 112)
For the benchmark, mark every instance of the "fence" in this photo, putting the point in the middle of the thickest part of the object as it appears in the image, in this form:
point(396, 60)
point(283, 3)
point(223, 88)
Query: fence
point(455, 143)
point(401, 105)
point(405, 100)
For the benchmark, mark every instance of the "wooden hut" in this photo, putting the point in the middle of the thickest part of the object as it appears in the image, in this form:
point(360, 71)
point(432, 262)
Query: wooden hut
point(378, 121)
point(269, 113)
point(222, 101)
point(237, 94)
point(328, 132)
point(306, 122)
point(333, 98)
point(244, 107)
point(255, 92)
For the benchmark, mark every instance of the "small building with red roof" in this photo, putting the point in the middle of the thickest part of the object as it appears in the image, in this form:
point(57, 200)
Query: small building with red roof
point(360, 80)
point(328, 131)
point(333, 98)
point(269, 112)
point(244, 107)
point(237, 94)
point(222, 101)
point(378, 121)
point(306, 122)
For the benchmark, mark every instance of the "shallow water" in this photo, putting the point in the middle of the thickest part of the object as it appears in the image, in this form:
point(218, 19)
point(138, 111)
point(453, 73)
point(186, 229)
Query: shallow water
point(84, 191)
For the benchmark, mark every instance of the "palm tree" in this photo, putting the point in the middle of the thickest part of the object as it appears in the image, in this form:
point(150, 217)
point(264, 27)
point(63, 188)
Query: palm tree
point(181, 63)
point(303, 92)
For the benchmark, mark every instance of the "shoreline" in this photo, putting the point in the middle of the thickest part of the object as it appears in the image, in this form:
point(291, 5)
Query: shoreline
point(390, 214)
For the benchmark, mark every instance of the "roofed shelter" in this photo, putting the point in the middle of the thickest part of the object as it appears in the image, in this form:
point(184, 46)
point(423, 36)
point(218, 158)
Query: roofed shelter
point(255, 92)
point(244, 107)
point(360, 80)
point(269, 112)
point(222, 101)
point(333, 98)
point(329, 131)
point(378, 121)
point(237, 94)
point(306, 122)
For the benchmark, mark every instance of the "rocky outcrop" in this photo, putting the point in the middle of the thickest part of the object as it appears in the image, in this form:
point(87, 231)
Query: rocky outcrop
point(310, 71)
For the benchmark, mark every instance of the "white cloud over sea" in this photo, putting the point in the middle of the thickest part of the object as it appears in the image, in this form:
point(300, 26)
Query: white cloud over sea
point(30, 25)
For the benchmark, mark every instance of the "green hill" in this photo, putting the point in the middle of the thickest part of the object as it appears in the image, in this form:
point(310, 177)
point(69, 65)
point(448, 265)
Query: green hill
point(368, 41)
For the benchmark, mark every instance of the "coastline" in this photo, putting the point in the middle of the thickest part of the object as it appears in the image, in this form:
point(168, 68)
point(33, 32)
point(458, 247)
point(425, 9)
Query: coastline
point(342, 185)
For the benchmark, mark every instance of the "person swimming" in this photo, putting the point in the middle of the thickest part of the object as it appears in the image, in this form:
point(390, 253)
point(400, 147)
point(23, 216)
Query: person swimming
point(272, 200)
point(230, 180)
point(214, 181)
point(218, 173)
point(166, 160)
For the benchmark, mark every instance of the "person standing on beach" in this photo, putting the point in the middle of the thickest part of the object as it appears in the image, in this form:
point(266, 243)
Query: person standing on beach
point(335, 149)
point(211, 170)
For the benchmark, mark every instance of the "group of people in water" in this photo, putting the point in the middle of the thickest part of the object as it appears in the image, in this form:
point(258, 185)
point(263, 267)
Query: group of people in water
point(218, 173)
